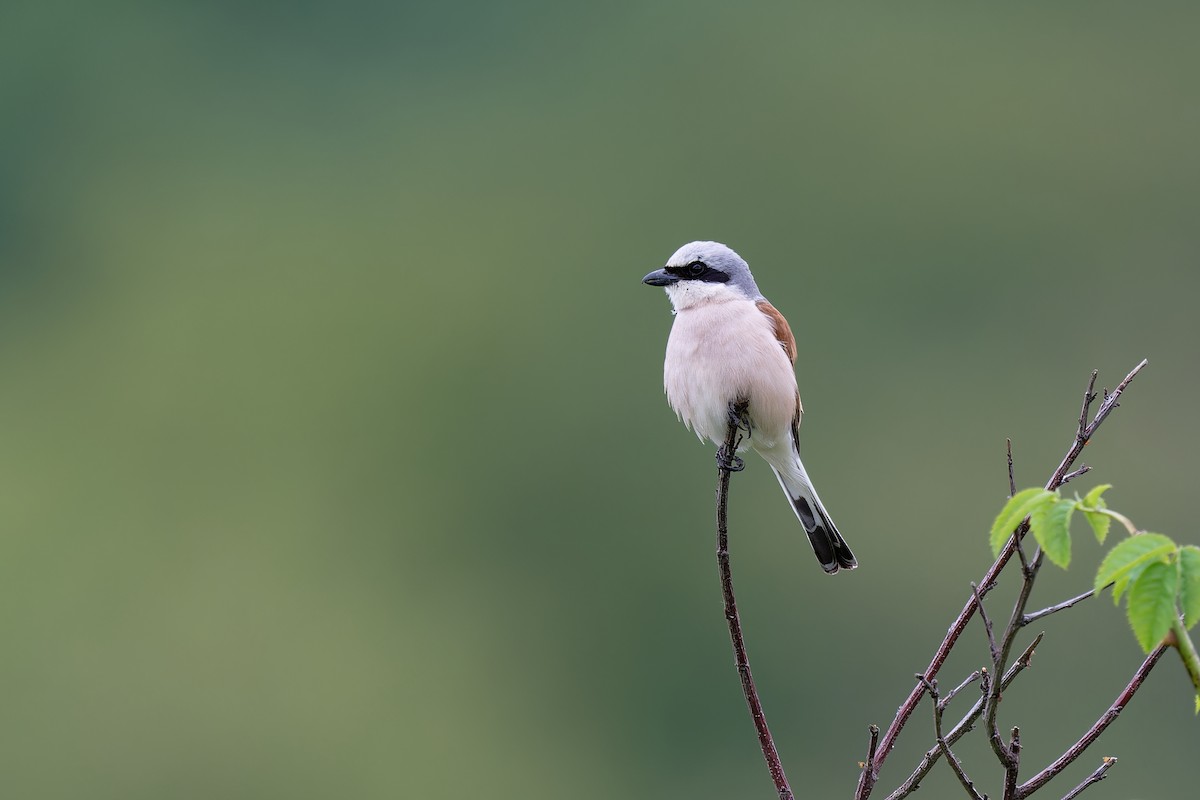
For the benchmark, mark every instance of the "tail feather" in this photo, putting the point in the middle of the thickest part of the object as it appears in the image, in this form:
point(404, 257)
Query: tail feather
point(828, 545)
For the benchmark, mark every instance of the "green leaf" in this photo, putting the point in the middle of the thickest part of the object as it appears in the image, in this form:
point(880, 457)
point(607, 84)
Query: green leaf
point(1189, 584)
point(1152, 603)
point(1050, 524)
point(1128, 558)
point(1093, 499)
point(1100, 522)
point(1016, 509)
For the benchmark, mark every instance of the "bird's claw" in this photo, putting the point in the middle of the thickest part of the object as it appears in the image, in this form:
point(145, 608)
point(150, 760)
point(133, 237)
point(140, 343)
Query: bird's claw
point(739, 416)
point(728, 461)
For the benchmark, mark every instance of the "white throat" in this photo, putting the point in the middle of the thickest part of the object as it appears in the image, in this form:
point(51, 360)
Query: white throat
point(690, 294)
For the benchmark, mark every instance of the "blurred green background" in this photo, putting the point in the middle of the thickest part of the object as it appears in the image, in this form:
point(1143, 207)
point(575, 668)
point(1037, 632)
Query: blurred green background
point(335, 461)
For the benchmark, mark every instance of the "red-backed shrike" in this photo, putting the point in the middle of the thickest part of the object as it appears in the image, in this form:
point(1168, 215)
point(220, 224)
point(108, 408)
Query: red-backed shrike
point(728, 345)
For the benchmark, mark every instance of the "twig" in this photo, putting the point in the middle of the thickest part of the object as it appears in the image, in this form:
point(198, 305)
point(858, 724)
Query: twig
point(974, 676)
point(1076, 750)
point(1021, 550)
point(1085, 432)
point(965, 724)
point(987, 626)
point(1009, 757)
point(1045, 612)
point(774, 766)
point(870, 772)
point(872, 746)
point(1095, 777)
point(1023, 660)
point(1010, 770)
point(1076, 473)
point(1089, 395)
point(1012, 484)
point(955, 765)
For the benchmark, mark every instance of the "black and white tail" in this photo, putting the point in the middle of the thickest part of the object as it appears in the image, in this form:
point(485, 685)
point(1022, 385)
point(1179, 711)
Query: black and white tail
point(831, 549)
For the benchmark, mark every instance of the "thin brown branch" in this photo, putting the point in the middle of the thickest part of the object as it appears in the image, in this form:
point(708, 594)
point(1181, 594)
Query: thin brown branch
point(967, 723)
point(1076, 473)
point(872, 746)
point(1045, 612)
point(974, 676)
point(1085, 432)
point(1095, 777)
point(870, 772)
point(987, 627)
point(1010, 770)
point(725, 466)
point(1012, 483)
point(1007, 756)
point(955, 765)
point(1023, 660)
point(1021, 549)
point(1093, 733)
point(1088, 396)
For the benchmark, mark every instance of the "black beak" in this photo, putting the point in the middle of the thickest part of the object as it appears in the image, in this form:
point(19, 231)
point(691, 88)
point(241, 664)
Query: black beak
point(660, 277)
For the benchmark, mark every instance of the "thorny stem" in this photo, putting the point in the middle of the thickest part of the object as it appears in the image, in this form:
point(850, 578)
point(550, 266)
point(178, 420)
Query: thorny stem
point(774, 766)
point(1084, 432)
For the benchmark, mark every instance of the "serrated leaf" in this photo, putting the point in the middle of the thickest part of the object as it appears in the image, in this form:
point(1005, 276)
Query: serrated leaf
point(1093, 499)
point(1128, 557)
point(1050, 524)
point(1151, 607)
point(1130, 576)
point(1189, 584)
point(1016, 509)
point(1100, 524)
point(1122, 583)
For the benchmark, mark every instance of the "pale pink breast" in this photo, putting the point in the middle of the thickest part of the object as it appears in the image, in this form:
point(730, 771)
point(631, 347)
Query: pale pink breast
point(719, 352)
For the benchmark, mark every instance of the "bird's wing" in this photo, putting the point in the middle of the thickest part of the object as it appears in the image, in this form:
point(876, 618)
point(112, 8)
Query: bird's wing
point(783, 331)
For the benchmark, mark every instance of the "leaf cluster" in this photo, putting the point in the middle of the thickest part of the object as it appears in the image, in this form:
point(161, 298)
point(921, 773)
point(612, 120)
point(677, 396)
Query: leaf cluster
point(1159, 578)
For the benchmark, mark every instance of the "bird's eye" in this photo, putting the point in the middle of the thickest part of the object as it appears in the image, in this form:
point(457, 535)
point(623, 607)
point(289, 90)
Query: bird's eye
point(696, 269)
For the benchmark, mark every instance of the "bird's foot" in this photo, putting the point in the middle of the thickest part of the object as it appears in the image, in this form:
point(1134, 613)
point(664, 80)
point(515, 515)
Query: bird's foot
point(739, 415)
point(729, 461)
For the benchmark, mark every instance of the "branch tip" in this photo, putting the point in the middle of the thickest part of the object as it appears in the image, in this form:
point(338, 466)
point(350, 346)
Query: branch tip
point(990, 687)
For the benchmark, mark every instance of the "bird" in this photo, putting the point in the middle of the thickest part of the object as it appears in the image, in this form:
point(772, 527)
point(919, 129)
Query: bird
point(728, 346)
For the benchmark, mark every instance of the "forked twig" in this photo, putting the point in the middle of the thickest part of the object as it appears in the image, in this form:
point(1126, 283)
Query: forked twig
point(955, 765)
point(1084, 432)
point(967, 723)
